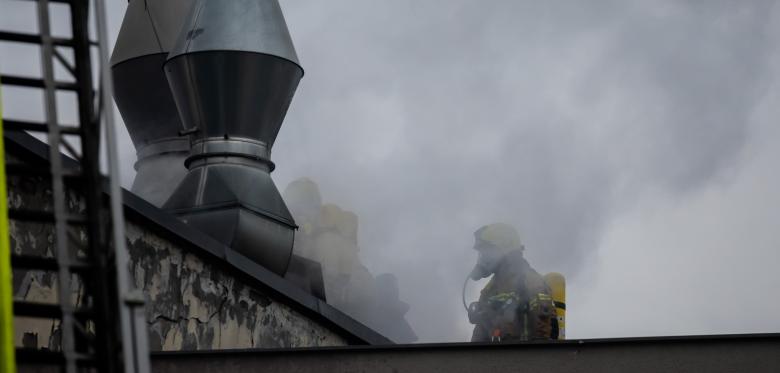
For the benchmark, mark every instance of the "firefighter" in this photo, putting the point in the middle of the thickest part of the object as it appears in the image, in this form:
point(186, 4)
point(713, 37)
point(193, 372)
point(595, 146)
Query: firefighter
point(516, 305)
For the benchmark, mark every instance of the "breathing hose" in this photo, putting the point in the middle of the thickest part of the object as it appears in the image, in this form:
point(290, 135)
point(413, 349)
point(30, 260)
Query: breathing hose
point(463, 294)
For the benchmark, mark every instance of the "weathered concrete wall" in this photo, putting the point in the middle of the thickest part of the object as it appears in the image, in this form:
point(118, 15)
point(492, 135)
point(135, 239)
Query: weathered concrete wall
point(191, 304)
point(37, 239)
point(195, 305)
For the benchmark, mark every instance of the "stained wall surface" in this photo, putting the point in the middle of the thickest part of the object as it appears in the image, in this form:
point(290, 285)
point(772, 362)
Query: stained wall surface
point(192, 302)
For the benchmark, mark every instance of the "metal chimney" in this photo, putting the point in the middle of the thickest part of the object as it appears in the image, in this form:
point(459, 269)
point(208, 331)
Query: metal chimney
point(144, 99)
point(233, 72)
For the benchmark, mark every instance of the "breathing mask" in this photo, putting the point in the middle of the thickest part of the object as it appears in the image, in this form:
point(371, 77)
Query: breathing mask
point(487, 262)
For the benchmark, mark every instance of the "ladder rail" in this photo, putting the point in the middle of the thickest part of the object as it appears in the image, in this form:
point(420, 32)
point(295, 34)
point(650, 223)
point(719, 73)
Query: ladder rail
point(102, 287)
point(67, 343)
point(116, 346)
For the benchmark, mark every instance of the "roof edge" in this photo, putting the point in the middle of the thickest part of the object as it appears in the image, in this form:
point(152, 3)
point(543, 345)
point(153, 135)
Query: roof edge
point(467, 346)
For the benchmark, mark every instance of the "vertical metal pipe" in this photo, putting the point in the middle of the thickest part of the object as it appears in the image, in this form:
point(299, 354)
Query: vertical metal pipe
point(233, 72)
point(144, 100)
point(131, 317)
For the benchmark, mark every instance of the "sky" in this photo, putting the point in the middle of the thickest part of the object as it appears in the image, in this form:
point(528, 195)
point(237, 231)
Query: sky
point(633, 144)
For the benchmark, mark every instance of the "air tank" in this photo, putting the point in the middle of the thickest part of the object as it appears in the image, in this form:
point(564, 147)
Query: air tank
point(557, 284)
point(233, 72)
point(144, 99)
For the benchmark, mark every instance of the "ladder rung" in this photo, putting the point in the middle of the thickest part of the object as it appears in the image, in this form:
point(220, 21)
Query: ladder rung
point(22, 125)
point(42, 216)
point(39, 357)
point(32, 38)
point(20, 169)
point(84, 359)
point(49, 357)
point(37, 310)
point(44, 310)
point(30, 262)
point(35, 82)
point(55, 1)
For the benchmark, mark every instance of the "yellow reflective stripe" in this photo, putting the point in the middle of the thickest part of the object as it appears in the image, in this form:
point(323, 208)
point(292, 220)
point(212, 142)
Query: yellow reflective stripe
point(7, 358)
point(543, 296)
point(504, 296)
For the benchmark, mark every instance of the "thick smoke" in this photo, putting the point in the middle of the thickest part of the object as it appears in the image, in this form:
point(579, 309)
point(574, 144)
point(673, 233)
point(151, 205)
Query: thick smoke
point(431, 118)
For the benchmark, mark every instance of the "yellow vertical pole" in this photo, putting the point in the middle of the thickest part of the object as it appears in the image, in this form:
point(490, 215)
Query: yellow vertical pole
point(7, 351)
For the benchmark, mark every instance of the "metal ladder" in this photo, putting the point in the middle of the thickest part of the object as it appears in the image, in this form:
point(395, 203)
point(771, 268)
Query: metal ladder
point(91, 339)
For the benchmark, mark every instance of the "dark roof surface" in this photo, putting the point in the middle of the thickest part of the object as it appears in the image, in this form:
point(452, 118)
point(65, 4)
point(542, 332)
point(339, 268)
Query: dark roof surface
point(141, 212)
point(708, 353)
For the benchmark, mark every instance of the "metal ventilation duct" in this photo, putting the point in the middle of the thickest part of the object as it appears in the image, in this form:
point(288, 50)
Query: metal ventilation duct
point(144, 99)
point(233, 72)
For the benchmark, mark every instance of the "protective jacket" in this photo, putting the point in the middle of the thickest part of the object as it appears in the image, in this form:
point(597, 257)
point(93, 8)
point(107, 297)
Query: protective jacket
point(515, 305)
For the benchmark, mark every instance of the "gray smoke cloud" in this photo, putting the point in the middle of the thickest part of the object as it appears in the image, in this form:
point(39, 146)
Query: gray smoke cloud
point(592, 127)
point(432, 118)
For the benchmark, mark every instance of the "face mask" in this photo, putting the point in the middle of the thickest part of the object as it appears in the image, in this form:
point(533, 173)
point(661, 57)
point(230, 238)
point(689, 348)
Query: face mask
point(487, 262)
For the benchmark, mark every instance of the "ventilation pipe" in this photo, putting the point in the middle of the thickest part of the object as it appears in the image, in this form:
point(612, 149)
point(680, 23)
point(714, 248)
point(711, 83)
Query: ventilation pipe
point(141, 91)
point(233, 72)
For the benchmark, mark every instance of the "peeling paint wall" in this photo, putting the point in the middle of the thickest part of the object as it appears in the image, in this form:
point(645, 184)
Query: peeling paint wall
point(194, 305)
point(191, 304)
point(37, 239)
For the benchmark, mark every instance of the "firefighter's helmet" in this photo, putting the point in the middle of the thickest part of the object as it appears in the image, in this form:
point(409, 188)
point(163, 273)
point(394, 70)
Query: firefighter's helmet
point(500, 235)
